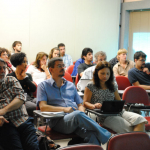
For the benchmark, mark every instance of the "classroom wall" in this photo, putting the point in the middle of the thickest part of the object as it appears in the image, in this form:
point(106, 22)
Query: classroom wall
point(41, 24)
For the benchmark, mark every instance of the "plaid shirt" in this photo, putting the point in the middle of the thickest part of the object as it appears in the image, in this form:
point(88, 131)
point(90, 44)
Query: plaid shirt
point(10, 89)
point(67, 60)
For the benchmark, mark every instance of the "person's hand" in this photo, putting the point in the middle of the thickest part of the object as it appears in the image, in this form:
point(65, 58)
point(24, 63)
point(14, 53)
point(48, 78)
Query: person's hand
point(21, 76)
point(146, 70)
point(43, 67)
point(2, 121)
point(98, 105)
point(69, 109)
point(2, 112)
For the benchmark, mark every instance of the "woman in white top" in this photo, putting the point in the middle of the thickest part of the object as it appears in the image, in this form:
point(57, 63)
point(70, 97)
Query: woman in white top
point(38, 70)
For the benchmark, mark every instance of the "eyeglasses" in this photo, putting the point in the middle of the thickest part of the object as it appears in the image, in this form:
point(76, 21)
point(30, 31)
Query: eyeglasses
point(4, 54)
point(61, 66)
point(143, 60)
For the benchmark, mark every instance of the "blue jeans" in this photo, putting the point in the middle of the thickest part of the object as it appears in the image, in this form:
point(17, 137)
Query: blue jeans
point(83, 126)
point(18, 138)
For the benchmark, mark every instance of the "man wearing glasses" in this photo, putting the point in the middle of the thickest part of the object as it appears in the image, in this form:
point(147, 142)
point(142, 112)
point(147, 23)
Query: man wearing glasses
point(140, 75)
point(57, 94)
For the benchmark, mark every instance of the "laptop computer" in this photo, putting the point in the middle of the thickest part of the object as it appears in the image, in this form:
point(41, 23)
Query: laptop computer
point(83, 84)
point(111, 107)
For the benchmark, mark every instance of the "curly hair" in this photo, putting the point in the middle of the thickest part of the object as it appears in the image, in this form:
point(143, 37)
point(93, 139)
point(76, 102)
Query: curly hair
point(2, 50)
point(38, 58)
point(17, 59)
point(52, 51)
point(110, 81)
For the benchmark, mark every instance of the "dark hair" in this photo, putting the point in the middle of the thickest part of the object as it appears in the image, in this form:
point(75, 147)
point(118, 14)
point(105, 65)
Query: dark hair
point(17, 59)
point(38, 58)
point(110, 82)
point(15, 43)
point(139, 54)
point(85, 51)
point(1, 60)
point(52, 51)
point(52, 61)
point(60, 45)
point(2, 50)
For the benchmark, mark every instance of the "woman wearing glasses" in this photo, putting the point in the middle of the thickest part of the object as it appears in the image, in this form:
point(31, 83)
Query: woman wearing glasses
point(39, 70)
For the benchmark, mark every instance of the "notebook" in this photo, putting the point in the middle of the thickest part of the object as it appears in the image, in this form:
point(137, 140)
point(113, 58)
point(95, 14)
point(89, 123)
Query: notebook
point(83, 84)
point(111, 107)
point(61, 113)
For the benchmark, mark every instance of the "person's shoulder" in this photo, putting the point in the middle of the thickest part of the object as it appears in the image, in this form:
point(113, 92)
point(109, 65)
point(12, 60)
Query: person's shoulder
point(92, 68)
point(132, 70)
point(113, 59)
point(80, 60)
point(11, 74)
point(8, 79)
point(29, 75)
point(116, 65)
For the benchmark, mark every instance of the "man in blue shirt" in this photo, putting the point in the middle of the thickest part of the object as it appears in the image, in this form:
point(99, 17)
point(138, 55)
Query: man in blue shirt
point(140, 75)
point(56, 94)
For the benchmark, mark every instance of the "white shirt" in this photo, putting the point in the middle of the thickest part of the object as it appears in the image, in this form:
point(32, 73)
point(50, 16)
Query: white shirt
point(36, 74)
point(88, 74)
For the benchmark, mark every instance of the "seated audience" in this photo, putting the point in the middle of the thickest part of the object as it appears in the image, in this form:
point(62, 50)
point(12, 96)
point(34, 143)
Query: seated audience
point(54, 53)
point(57, 94)
point(88, 73)
point(78, 62)
point(4, 55)
point(19, 60)
point(102, 89)
point(140, 75)
point(16, 128)
point(123, 66)
point(66, 58)
point(113, 61)
point(87, 55)
point(38, 70)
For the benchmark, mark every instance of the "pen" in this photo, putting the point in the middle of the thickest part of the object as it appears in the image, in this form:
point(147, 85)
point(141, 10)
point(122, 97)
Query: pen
point(73, 109)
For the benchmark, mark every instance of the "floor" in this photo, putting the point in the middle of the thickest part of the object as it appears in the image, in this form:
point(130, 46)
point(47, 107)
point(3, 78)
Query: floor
point(64, 142)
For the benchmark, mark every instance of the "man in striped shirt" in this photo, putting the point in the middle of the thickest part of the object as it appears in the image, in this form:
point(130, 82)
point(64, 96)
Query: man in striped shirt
point(16, 128)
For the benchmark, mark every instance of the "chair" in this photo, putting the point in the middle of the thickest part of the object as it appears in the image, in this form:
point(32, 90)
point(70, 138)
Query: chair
point(129, 141)
point(68, 77)
point(123, 82)
point(74, 62)
point(77, 79)
point(82, 147)
point(136, 94)
point(34, 93)
point(70, 69)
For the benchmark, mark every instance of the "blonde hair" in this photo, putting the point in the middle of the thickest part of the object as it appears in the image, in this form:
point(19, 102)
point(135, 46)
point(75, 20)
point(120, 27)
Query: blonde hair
point(120, 51)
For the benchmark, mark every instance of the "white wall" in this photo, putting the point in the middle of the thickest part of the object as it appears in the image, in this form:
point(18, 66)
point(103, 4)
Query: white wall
point(41, 24)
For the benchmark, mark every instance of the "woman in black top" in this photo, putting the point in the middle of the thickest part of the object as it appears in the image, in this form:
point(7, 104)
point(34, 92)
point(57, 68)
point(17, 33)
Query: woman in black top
point(19, 60)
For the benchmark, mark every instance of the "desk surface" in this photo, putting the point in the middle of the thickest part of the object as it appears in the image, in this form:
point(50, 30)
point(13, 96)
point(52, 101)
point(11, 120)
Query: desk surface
point(100, 114)
point(38, 112)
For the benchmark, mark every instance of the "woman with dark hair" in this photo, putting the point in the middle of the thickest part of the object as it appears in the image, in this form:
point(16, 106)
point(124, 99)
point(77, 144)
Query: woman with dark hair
point(19, 60)
point(102, 89)
point(39, 70)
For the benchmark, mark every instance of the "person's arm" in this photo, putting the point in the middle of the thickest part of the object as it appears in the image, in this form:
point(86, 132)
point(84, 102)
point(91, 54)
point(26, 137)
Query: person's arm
point(117, 96)
point(46, 71)
point(146, 70)
point(70, 61)
point(87, 100)
point(146, 87)
point(80, 70)
point(81, 107)
point(13, 105)
point(2, 121)
point(45, 107)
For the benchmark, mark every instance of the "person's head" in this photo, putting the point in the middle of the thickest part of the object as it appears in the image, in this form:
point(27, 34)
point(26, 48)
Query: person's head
point(54, 53)
point(41, 59)
point(87, 54)
point(19, 60)
point(100, 56)
point(17, 46)
point(61, 47)
point(103, 74)
point(122, 54)
point(56, 67)
point(2, 69)
point(4, 54)
point(139, 59)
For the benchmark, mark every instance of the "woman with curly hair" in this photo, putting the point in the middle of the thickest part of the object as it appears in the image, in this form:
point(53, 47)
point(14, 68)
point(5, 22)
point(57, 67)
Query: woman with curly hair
point(19, 60)
point(54, 53)
point(102, 89)
point(39, 70)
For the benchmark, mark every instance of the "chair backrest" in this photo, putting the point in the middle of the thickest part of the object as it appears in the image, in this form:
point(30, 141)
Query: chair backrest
point(77, 79)
point(74, 62)
point(123, 82)
point(34, 93)
point(135, 94)
point(68, 77)
point(129, 141)
point(70, 69)
point(82, 147)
